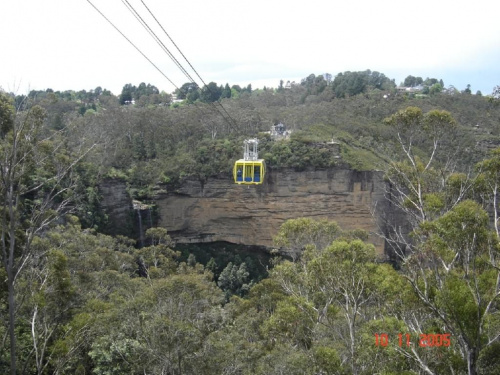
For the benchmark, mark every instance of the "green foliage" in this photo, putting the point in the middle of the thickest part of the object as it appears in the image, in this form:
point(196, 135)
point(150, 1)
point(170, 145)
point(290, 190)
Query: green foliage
point(185, 90)
point(211, 93)
point(489, 362)
point(295, 235)
point(6, 114)
point(327, 359)
point(412, 81)
point(154, 145)
point(315, 84)
point(359, 159)
point(114, 355)
point(299, 153)
point(330, 290)
point(233, 279)
point(90, 303)
point(138, 94)
point(435, 89)
point(458, 281)
point(354, 83)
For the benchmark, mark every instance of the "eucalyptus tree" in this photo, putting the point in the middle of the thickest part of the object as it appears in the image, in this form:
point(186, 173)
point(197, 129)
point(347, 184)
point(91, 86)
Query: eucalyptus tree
point(422, 163)
point(449, 257)
point(333, 288)
point(37, 180)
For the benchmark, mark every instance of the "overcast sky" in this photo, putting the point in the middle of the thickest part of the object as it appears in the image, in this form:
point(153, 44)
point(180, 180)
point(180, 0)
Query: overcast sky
point(68, 45)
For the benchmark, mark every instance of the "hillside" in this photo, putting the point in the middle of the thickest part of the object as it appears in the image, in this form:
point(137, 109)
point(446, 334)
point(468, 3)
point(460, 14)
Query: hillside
point(150, 142)
point(92, 282)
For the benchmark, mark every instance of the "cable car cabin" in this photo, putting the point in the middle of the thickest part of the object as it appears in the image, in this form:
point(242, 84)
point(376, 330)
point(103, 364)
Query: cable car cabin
point(249, 172)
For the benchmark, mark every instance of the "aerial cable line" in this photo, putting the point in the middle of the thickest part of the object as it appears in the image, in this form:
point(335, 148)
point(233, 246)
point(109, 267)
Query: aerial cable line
point(185, 58)
point(175, 45)
point(156, 38)
point(128, 40)
point(170, 55)
point(116, 28)
point(149, 60)
point(145, 25)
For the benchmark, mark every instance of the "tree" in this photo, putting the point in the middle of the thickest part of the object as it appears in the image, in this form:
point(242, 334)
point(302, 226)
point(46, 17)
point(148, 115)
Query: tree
point(211, 93)
point(430, 81)
point(454, 273)
point(315, 85)
point(354, 83)
point(226, 92)
point(496, 92)
point(36, 186)
point(6, 114)
point(186, 89)
point(344, 272)
point(417, 177)
point(295, 235)
point(449, 257)
point(280, 88)
point(211, 265)
point(145, 90)
point(412, 81)
point(158, 326)
point(193, 96)
point(233, 279)
point(50, 297)
point(435, 89)
point(378, 81)
point(127, 94)
point(348, 84)
point(157, 260)
point(237, 88)
point(331, 291)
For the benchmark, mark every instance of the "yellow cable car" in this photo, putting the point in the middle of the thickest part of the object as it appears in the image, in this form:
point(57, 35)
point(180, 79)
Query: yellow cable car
point(250, 170)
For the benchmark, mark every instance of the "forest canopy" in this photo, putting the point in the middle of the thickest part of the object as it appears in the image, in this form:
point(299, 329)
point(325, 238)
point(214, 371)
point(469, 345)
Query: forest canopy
point(76, 299)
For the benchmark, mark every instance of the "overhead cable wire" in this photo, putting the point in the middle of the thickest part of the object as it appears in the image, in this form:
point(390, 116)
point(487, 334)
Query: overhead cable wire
point(122, 34)
point(175, 45)
point(156, 38)
point(172, 57)
point(185, 58)
point(152, 34)
point(128, 40)
point(166, 50)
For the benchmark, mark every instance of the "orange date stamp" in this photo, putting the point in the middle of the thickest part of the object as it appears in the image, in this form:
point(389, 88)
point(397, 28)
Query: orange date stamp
point(425, 340)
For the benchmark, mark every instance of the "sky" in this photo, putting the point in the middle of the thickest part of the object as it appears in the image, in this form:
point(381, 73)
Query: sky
point(68, 45)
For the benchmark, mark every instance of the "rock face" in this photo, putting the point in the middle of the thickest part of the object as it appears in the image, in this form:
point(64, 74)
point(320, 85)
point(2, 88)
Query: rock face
point(220, 210)
point(118, 206)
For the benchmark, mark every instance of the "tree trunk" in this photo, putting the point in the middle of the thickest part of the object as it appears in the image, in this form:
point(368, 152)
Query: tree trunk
point(12, 333)
point(472, 361)
point(9, 264)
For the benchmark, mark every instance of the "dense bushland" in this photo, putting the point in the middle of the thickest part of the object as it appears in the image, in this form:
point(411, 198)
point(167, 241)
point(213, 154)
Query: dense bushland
point(75, 300)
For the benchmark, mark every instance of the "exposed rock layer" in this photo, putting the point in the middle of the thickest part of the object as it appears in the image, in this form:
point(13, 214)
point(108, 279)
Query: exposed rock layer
point(118, 206)
point(220, 210)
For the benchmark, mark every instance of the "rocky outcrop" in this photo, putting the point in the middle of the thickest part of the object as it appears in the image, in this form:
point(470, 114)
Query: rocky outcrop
point(219, 210)
point(117, 204)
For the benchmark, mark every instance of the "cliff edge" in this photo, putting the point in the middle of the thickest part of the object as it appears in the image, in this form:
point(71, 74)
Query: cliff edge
point(219, 210)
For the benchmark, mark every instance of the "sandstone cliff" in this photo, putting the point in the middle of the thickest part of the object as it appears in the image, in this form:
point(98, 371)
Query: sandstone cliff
point(220, 210)
point(118, 206)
